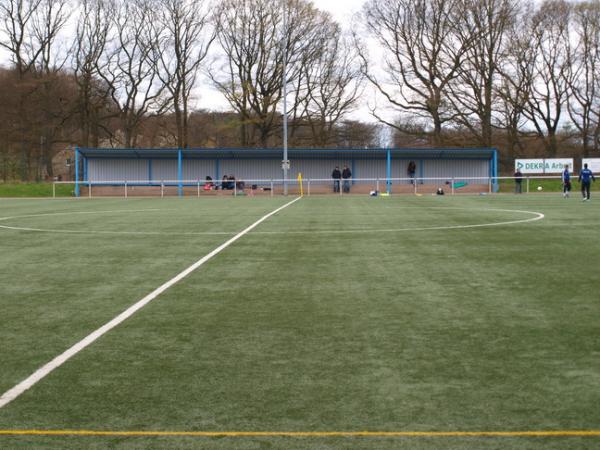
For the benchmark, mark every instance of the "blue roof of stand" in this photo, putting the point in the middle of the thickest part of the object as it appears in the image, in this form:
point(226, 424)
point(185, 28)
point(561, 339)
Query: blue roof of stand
point(293, 153)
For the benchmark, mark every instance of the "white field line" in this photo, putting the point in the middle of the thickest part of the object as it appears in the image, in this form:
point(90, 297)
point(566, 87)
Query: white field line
point(129, 233)
point(69, 213)
point(39, 374)
point(538, 216)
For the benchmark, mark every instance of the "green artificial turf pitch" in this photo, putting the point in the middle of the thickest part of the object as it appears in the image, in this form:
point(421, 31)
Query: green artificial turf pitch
point(336, 314)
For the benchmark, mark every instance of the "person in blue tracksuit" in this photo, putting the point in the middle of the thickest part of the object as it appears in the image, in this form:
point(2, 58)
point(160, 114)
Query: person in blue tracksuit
point(566, 181)
point(585, 178)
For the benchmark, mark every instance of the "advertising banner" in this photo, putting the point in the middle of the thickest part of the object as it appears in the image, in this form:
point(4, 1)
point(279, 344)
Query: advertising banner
point(543, 166)
point(593, 164)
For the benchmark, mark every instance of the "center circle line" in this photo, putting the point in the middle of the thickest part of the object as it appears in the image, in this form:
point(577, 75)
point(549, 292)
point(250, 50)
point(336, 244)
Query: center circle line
point(537, 216)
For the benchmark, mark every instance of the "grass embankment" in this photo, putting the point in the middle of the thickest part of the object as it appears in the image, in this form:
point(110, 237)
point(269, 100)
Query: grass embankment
point(34, 190)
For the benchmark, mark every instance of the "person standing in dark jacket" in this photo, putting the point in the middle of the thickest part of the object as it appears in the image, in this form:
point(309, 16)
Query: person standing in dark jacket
point(346, 175)
point(518, 182)
point(411, 170)
point(336, 175)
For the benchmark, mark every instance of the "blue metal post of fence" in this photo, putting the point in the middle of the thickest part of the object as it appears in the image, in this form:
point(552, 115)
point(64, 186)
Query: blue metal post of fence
point(496, 186)
point(388, 171)
point(85, 169)
point(179, 173)
point(76, 171)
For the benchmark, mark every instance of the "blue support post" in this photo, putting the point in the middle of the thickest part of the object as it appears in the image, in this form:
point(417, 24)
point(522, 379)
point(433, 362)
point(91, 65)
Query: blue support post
point(491, 169)
point(495, 171)
point(179, 173)
point(388, 171)
point(76, 171)
point(85, 169)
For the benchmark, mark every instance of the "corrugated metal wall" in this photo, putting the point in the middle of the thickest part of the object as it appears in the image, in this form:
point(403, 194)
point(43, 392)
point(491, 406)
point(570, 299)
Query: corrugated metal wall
point(117, 170)
point(455, 168)
point(266, 169)
point(198, 169)
point(310, 168)
point(374, 168)
point(317, 169)
point(248, 169)
point(399, 168)
point(164, 169)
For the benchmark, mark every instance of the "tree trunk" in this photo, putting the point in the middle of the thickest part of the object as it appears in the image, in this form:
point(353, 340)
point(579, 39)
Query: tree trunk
point(551, 143)
point(486, 123)
point(436, 137)
point(185, 128)
point(179, 125)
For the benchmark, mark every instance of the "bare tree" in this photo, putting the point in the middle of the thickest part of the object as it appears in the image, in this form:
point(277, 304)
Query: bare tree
point(9, 134)
point(185, 36)
point(333, 84)
point(424, 45)
point(17, 22)
point(251, 45)
point(551, 70)
point(129, 67)
point(472, 92)
point(29, 31)
point(517, 77)
point(584, 104)
point(352, 133)
point(251, 37)
point(50, 19)
point(89, 46)
point(55, 109)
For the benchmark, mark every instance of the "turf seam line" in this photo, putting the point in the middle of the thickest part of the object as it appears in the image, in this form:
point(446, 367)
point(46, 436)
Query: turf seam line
point(107, 433)
point(43, 371)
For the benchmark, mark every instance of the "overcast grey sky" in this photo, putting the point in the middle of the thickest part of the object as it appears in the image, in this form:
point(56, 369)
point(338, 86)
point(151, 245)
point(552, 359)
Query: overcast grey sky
point(342, 10)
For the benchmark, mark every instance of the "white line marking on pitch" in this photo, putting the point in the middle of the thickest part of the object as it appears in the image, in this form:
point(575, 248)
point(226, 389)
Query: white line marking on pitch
point(39, 374)
point(127, 233)
point(538, 216)
point(69, 213)
point(140, 233)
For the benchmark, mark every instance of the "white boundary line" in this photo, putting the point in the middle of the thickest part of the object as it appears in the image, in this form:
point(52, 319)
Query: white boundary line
point(538, 216)
point(39, 374)
point(69, 213)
